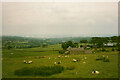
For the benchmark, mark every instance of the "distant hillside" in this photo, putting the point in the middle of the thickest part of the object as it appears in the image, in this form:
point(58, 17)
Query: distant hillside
point(25, 42)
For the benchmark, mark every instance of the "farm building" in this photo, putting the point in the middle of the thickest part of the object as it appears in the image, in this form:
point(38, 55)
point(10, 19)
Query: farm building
point(110, 44)
point(71, 50)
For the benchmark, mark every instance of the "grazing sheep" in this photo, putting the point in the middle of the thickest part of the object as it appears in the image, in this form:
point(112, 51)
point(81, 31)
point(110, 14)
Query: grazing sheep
point(25, 61)
point(65, 56)
point(29, 62)
point(84, 62)
point(95, 72)
point(74, 60)
point(85, 57)
point(49, 57)
point(54, 63)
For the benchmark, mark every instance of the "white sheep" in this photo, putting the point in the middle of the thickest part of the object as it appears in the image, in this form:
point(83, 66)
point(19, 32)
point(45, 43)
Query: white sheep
point(74, 60)
point(54, 63)
point(29, 62)
point(65, 56)
point(84, 62)
point(25, 61)
point(49, 57)
point(95, 72)
point(103, 55)
point(85, 57)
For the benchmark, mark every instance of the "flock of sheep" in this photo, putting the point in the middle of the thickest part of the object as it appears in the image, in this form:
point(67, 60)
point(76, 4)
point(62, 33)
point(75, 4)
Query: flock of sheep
point(28, 62)
point(59, 62)
point(37, 57)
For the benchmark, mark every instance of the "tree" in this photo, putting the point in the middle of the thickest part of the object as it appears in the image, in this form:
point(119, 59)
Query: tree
point(75, 45)
point(69, 43)
point(65, 45)
point(99, 41)
point(9, 47)
point(44, 45)
point(114, 39)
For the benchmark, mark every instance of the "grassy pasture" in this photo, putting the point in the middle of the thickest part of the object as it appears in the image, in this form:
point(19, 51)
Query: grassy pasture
point(13, 60)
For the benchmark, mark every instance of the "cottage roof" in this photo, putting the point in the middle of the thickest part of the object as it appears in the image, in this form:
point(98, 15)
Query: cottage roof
point(75, 49)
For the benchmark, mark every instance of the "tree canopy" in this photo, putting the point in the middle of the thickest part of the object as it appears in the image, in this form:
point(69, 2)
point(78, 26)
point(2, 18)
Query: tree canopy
point(65, 45)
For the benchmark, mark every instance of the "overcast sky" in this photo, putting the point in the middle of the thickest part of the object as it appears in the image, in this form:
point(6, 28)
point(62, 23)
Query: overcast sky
point(76, 19)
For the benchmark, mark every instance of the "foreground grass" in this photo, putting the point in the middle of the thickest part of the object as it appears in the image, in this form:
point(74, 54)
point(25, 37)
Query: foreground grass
point(13, 62)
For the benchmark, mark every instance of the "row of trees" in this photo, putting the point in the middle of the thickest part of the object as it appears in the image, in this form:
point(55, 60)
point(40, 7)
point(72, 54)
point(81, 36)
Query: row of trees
point(100, 41)
point(97, 42)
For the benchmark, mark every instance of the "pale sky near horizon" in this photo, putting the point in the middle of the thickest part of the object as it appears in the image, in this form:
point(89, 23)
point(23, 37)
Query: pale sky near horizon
point(50, 18)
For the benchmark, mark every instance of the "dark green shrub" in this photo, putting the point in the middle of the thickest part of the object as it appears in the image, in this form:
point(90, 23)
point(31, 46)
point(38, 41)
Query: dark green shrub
point(39, 71)
point(103, 49)
point(81, 45)
point(62, 51)
point(113, 49)
point(118, 49)
point(9, 47)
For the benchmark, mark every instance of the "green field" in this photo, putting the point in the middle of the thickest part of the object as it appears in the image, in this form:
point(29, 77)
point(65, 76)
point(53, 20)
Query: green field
point(14, 61)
